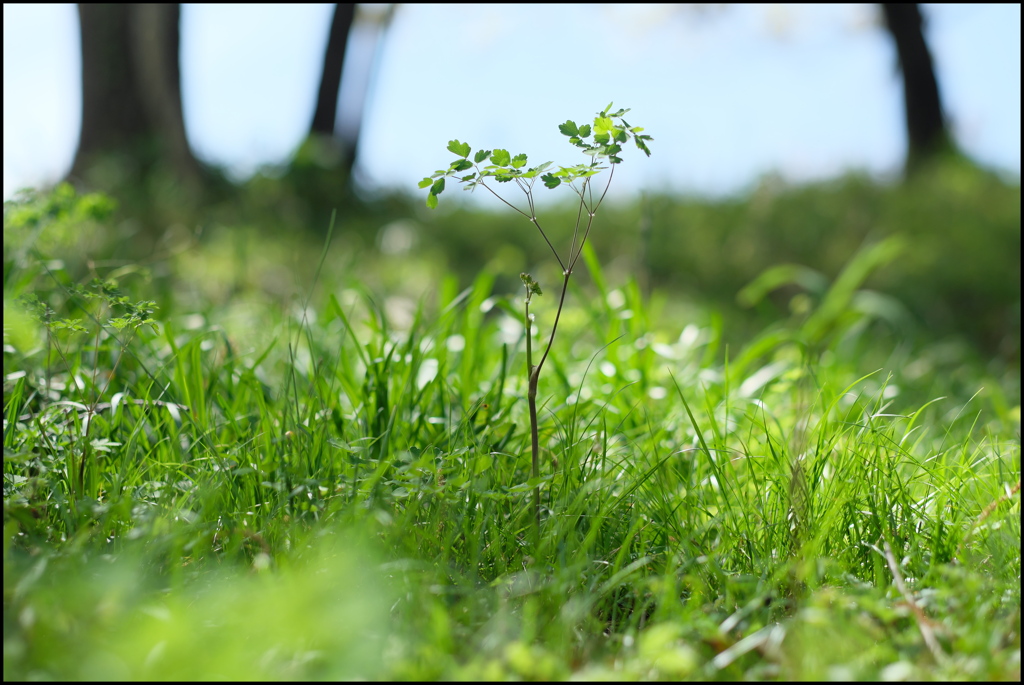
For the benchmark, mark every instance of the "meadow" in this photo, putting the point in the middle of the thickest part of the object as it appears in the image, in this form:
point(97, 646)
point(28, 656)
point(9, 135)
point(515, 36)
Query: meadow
point(780, 440)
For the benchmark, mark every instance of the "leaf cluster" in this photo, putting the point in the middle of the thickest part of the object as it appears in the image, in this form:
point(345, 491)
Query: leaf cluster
point(602, 141)
point(136, 314)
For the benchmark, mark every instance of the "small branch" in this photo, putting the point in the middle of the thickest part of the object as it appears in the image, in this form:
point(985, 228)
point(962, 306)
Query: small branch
point(504, 200)
point(531, 397)
point(586, 234)
point(554, 327)
point(576, 228)
point(529, 199)
point(536, 222)
point(923, 622)
point(611, 175)
point(590, 221)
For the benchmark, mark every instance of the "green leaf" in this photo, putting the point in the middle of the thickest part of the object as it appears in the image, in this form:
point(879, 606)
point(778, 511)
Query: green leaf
point(501, 157)
point(481, 155)
point(603, 125)
point(461, 165)
point(569, 128)
point(585, 131)
point(432, 201)
point(461, 149)
point(607, 109)
point(426, 182)
point(640, 144)
point(438, 187)
point(532, 173)
point(519, 161)
point(67, 325)
point(551, 181)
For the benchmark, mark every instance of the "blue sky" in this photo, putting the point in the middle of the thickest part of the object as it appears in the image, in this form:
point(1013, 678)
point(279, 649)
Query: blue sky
point(728, 92)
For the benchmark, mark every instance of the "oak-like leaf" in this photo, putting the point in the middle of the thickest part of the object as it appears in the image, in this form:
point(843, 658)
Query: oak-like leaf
point(461, 149)
point(501, 157)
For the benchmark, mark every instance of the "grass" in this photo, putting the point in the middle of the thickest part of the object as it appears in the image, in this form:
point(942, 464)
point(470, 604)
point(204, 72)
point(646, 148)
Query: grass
point(308, 477)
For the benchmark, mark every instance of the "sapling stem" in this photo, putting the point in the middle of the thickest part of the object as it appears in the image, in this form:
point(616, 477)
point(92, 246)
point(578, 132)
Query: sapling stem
point(503, 168)
point(531, 399)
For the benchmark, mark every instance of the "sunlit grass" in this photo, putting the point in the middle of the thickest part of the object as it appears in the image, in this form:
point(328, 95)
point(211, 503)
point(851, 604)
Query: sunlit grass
point(333, 481)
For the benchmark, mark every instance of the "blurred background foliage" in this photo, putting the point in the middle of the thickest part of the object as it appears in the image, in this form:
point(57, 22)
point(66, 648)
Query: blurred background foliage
point(957, 274)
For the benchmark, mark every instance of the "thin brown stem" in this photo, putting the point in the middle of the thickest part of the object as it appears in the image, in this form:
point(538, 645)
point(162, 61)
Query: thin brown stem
point(531, 396)
point(491, 191)
point(536, 223)
point(576, 228)
point(590, 223)
point(535, 454)
point(554, 327)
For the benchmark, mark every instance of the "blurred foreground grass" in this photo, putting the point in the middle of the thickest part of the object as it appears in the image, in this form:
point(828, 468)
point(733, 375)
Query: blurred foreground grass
point(226, 458)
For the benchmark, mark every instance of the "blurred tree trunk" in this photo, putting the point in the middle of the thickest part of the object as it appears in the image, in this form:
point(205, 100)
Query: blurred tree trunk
point(335, 142)
point(341, 153)
point(926, 125)
point(131, 95)
point(334, 61)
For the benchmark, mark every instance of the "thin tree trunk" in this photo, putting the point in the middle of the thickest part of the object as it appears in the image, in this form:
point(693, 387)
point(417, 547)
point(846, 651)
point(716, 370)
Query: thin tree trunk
point(326, 113)
point(926, 125)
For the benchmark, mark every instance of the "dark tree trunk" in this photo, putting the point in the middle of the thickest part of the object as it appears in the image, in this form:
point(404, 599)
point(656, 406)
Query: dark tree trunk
point(325, 117)
point(326, 113)
point(926, 125)
point(131, 92)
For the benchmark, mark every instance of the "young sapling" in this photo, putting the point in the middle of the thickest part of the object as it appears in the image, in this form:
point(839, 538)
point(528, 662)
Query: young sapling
point(601, 142)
